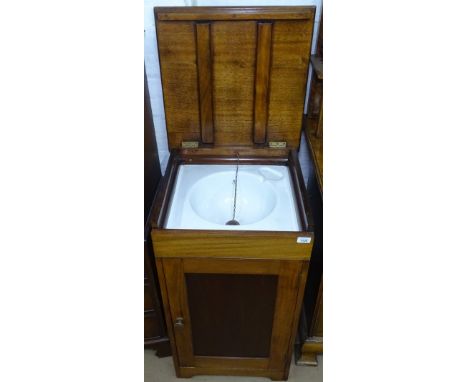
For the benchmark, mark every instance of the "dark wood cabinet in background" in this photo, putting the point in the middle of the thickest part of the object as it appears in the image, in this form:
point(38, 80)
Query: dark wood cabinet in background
point(155, 327)
point(311, 327)
point(311, 324)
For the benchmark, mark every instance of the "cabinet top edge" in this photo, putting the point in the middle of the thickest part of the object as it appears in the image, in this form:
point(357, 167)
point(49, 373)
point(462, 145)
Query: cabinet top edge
point(234, 13)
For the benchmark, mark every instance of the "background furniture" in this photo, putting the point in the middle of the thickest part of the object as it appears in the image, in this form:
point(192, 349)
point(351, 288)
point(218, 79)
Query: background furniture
point(315, 106)
point(311, 325)
point(155, 329)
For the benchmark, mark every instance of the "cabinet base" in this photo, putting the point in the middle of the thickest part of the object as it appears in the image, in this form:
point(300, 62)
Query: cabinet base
point(274, 375)
point(307, 353)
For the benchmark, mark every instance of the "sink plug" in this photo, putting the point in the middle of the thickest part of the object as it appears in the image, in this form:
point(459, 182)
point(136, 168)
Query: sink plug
point(233, 221)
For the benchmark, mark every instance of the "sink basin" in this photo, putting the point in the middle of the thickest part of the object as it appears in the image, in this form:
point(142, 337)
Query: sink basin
point(203, 198)
point(212, 198)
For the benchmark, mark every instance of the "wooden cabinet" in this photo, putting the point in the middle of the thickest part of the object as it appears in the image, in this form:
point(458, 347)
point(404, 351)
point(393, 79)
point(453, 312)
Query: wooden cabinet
point(232, 316)
point(232, 298)
point(155, 328)
point(234, 82)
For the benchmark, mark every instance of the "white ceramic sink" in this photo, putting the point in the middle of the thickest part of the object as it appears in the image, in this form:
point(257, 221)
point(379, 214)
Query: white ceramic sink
point(203, 198)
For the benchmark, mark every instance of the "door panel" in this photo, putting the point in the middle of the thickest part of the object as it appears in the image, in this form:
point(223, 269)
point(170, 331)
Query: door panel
point(238, 311)
point(231, 315)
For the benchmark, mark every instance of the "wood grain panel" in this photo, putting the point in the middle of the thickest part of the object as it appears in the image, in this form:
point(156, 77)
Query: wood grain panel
point(240, 328)
point(231, 363)
point(167, 312)
point(262, 80)
point(243, 106)
point(227, 266)
point(302, 278)
point(230, 151)
point(289, 279)
point(232, 13)
point(234, 47)
point(231, 244)
point(175, 283)
point(179, 75)
point(316, 329)
point(274, 375)
point(288, 288)
point(205, 81)
point(152, 167)
point(152, 327)
point(289, 67)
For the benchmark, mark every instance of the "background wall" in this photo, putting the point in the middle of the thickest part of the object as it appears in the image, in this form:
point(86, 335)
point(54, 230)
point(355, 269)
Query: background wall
point(154, 76)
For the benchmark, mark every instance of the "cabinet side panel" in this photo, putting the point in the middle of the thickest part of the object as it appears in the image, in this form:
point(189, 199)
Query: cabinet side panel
point(290, 292)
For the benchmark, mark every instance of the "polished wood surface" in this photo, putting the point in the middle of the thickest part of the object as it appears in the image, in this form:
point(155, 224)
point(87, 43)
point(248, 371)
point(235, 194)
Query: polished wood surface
point(155, 332)
point(262, 80)
point(151, 158)
point(274, 375)
point(311, 328)
point(178, 62)
point(233, 13)
point(167, 313)
point(234, 45)
point(245, 347)
point(181, 253)
point(249, 316)
point(231, 244)
point(315, 107)
point(252, 63)
point(204, 67)
point(288, 80)
point(316, 329)
point(304, 210)
point(231, 151)
point(234, 77)
point(315, 148)
point(176, 159)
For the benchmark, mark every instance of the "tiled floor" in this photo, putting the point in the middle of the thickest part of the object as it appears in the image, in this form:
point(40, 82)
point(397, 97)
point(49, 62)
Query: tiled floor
point(162, 370)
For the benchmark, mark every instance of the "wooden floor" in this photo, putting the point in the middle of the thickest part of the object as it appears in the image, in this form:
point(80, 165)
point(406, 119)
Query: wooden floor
point(162, 370)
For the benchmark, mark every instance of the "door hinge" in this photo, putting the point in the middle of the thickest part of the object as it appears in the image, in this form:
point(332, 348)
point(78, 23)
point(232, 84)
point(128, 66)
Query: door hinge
point(189, 144)
point(276, 145)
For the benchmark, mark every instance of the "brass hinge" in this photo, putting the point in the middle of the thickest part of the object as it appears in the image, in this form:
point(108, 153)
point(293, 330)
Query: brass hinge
point(277, 145)
point(189, 144)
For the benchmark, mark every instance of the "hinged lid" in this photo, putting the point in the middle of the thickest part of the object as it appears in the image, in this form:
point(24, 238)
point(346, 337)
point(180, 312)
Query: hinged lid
point(234, 76)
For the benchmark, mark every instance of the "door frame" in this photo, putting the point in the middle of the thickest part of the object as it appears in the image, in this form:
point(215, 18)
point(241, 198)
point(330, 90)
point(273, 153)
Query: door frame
point(291, 278)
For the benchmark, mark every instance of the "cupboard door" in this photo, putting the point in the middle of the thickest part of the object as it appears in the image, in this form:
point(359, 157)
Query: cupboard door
point(240, 312)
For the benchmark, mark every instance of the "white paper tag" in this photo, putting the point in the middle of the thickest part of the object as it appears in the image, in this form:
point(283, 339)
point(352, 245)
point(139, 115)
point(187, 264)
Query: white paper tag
point(304, 240)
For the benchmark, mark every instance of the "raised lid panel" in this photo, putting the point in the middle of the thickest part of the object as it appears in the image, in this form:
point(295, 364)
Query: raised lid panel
point(288, 66)
point(178, 61)
point(234, 76)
